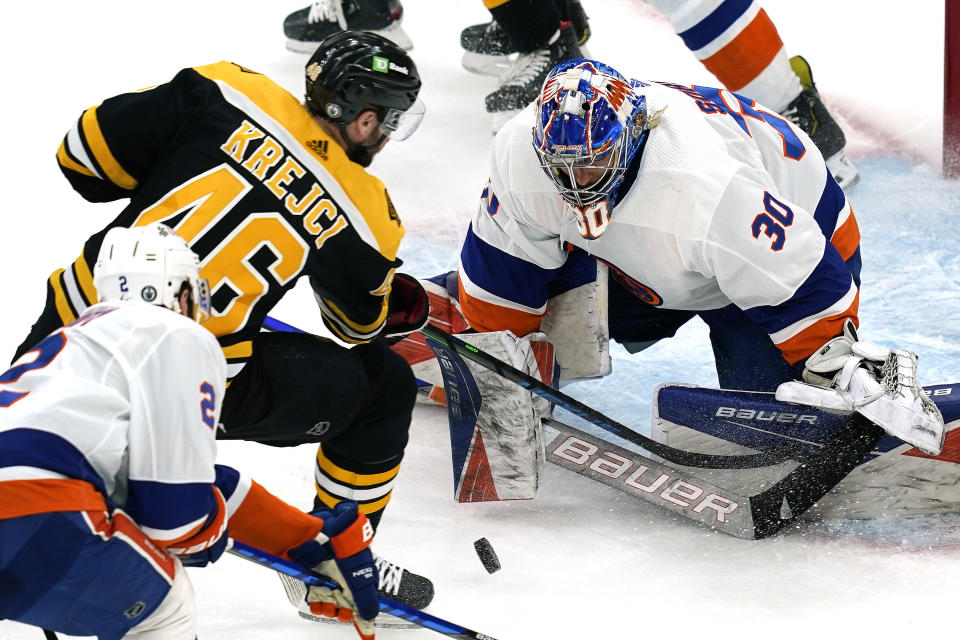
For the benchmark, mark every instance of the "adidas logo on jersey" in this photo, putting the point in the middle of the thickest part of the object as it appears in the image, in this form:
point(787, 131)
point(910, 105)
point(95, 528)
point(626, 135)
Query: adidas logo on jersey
point(319, 147)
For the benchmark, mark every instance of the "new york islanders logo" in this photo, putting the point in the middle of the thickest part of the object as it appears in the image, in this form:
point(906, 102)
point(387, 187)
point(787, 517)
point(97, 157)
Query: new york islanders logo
point(640, 290)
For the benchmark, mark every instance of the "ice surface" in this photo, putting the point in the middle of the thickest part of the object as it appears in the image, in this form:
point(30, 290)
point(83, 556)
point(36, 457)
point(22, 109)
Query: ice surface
point(582, 560)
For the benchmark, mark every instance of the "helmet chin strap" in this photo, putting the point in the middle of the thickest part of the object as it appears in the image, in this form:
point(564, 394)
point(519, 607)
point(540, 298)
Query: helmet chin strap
point(362, 154)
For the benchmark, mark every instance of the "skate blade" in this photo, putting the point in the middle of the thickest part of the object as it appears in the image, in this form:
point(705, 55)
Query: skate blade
point(485, 65)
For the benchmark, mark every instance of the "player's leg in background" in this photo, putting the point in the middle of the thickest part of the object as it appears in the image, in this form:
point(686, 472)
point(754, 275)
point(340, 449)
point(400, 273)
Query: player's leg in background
point(739, 44)
point(84, 574)
point(543, 36)
point(489, 48)
point(306, 28)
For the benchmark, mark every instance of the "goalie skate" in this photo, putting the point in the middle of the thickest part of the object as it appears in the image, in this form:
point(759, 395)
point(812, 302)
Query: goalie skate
point(396, 583)
point(895, 479)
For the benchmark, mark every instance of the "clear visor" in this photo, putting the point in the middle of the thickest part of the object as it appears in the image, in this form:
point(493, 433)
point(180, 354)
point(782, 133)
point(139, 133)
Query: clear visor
point(400, 125)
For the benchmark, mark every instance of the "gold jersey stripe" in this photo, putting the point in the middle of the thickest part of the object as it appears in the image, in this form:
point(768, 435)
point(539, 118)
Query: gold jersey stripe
point(240, 350)
point(363, 507)
point(85, 279)
point(343, 476)
point(101, 151)
point(60, 298)
point(366, 194)
point(69, 163)
point(340, 334)
point(363, 329)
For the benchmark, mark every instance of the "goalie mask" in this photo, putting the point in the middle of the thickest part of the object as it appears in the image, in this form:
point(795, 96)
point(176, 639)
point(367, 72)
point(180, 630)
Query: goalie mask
point(590, 125)
point(150, 264)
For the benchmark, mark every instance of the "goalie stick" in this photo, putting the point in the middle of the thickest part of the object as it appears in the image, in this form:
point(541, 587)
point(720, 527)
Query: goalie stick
point(674, 455)
point(752, 517)
point(527, 381)
point(400, 610)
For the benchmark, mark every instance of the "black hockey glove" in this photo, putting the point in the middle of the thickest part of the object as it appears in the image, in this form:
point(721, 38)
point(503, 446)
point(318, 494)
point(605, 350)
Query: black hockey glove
point(408, 308)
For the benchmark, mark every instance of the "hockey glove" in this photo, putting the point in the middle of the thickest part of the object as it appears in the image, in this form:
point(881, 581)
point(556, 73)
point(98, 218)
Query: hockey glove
point(208, 555)
point(408, 308)
point(878, 383)
point(341, 552)
point(208, 544)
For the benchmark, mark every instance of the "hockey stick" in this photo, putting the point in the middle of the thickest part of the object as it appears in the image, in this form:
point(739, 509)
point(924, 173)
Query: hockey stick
point(753, 517)
point(672, 454)
point(400, 610)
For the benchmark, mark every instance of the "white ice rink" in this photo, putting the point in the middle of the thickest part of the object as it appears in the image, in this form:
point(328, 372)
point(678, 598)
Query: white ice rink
point(581, 561)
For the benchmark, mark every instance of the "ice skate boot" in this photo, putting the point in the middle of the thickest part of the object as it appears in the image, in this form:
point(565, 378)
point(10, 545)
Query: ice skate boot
point(489, 50)
point(809, 113)
point(396, 583)
point(306, 28)
point(525, 77)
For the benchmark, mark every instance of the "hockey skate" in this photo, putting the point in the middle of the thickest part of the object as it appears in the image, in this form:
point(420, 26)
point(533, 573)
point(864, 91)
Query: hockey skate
point(809, 113)
point(305, 29)
point(396, 583)
point(525, 77)
point(489, 50)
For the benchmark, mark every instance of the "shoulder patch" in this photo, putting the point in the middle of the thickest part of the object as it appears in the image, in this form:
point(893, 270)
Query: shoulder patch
point(391, 210)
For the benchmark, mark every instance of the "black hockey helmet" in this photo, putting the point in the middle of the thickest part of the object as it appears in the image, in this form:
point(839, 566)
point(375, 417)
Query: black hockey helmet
point(352, 71)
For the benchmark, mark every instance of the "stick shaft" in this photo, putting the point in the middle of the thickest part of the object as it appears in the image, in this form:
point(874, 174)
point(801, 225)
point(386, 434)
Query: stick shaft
point(394, 608)
point(574, 406)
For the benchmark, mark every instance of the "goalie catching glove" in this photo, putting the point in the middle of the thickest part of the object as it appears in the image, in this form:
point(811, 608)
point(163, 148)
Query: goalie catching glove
point(878, 383)
point(341, 552)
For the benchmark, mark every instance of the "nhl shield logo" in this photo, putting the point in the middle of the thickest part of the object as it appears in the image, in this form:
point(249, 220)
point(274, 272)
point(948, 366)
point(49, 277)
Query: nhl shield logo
point(319, 429)
point(135, 610)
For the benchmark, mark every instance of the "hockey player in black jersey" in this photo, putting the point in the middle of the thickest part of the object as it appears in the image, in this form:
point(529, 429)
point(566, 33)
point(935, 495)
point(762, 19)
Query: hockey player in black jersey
point(266, 190)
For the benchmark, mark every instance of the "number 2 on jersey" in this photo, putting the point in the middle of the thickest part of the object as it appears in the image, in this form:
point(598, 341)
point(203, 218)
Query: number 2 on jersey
point(46, 351)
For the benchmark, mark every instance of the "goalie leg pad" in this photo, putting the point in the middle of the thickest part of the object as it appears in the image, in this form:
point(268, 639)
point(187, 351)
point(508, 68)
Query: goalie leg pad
point(495, 424)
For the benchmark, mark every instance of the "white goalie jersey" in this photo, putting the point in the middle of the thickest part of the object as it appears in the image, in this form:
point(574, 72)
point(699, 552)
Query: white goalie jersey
point(729, 204)
point(126, 399)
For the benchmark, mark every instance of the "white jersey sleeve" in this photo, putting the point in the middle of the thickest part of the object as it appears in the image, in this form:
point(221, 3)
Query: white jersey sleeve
point(176, 391)
point(126, 399)
point(512, 250)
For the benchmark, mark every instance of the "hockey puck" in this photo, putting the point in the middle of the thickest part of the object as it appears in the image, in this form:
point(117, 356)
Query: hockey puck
point(487, 555)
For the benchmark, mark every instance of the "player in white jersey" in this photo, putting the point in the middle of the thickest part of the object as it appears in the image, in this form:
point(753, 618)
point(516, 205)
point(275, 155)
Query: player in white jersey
point(107, 478)
point(701, 202)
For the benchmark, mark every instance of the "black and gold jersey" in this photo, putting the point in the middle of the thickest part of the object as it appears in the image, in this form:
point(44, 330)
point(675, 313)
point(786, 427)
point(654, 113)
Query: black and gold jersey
point(240, 169)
